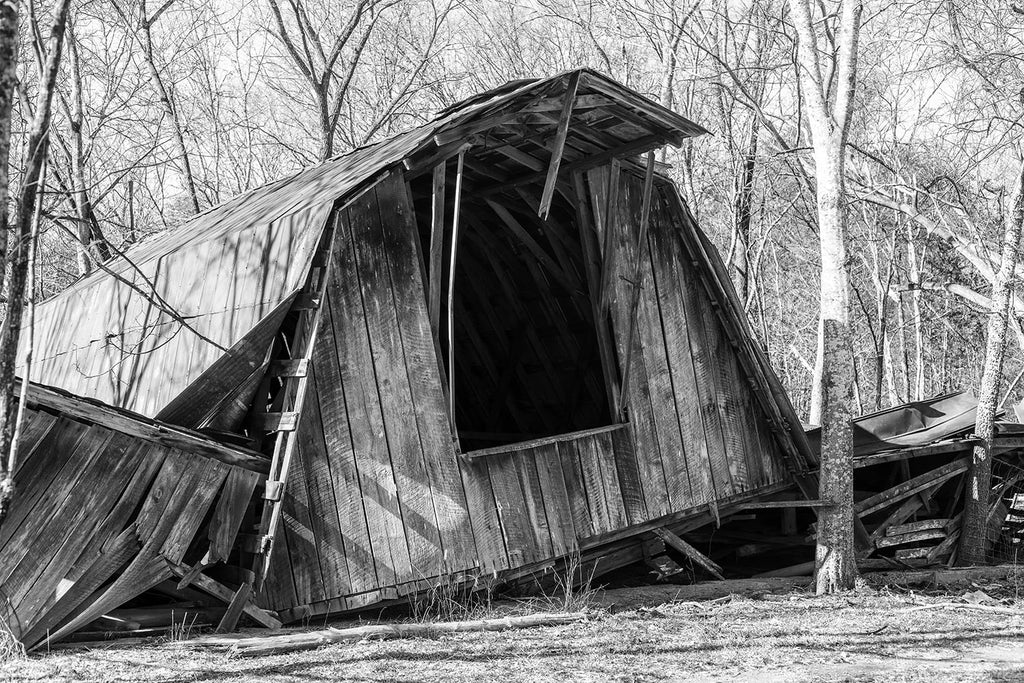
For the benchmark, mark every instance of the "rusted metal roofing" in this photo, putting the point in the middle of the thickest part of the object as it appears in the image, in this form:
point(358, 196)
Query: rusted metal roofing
point(114, 335)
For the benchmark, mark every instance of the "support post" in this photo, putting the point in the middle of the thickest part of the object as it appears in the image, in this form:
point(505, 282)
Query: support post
point(556, 153)
point(436, 256)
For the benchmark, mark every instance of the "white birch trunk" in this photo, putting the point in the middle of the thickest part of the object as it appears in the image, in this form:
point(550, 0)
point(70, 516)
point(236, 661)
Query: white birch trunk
point(828, 114)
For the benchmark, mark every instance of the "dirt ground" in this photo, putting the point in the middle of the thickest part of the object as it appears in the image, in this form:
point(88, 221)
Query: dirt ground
point(784, 636)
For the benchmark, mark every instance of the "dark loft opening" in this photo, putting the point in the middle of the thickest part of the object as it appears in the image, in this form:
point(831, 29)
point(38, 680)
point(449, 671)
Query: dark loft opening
point(527, 360)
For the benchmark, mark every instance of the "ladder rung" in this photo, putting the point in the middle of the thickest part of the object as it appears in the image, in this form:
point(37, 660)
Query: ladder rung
point(273, 491)
point(277, 422)
point(289, 368)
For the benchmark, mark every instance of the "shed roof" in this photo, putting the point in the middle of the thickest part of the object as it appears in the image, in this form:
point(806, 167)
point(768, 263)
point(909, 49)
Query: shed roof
point(138, 331)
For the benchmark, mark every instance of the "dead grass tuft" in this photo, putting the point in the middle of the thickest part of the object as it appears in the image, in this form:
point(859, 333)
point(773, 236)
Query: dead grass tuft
point(180, 631)
point(11, 648)
point(450, 600)
point(573, 591)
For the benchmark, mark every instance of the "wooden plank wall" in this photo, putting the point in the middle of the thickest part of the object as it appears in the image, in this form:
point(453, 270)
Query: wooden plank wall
point(94, 504)
point(379, 504)
point(700, 437)
point(376, 502)
point(552, 496)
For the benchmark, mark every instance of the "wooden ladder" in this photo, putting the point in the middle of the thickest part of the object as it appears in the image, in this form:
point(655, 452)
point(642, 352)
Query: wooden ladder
point(280, 424)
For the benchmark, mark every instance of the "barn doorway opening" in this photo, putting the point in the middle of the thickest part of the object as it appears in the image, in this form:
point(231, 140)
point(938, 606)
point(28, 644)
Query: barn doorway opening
point(527, 360)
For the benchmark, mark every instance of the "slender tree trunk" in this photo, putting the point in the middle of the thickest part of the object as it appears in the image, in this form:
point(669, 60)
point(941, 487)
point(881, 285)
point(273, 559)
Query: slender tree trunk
point(92, 245)
point(973, 540)
point(8, 78)
point(829, 107)
point(169, 106)
point(918, 391)
point(835, 567)
point(743, 207)
point(38, 147)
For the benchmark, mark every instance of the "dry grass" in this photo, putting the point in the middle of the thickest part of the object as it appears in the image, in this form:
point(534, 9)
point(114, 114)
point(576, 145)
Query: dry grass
point(11, 650)
point(182, 630)
point(790, 636)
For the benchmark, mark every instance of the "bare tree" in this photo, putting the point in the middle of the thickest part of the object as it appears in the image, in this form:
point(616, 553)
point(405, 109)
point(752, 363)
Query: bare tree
point(24, 216)
point(973, 544)
point(140, 23)
point(828, 101)
point(330, 65)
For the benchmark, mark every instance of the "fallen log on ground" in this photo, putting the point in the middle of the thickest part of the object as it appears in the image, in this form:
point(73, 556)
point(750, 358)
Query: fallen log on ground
point(620, 599)
point(310, 640)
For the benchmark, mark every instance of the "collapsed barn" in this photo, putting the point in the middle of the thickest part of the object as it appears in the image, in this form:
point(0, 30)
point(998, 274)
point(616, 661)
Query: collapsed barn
point(464, 353)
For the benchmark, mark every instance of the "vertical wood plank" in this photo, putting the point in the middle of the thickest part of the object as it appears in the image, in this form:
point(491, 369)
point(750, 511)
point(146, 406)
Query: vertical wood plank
point(650, 405)
point(576, 490)
point(556, 499)
point(350, 514)
point(484, 517)
point(436, 440)
point(630, 482)
point(525, 466)
point(605, 451)
point(390, 366)
point(508, 494)
point(365, 420)
point(436, 273)
point(594, 482)
point(313, 472)
point(705, 368)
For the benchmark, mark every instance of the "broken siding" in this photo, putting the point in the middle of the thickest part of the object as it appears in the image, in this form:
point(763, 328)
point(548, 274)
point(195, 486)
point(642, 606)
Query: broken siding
point(104, 513)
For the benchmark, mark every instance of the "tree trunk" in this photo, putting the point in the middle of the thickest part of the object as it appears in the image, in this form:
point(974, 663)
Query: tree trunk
point(834, 557)
point(38, 147)
point(973, 539)
point(8, 78)
point(829, 106)
point(92, 245)
point(170, 108)
point(743, 207)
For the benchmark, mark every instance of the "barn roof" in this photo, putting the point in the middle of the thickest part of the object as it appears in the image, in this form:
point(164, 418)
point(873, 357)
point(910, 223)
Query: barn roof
point(137, 332)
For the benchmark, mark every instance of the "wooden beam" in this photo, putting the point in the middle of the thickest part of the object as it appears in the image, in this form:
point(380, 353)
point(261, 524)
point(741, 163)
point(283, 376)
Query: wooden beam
point(451, 289)
point(527, 240)
point(521, 157)
point(544, 441)
point(609, 255)
point(559, 146)
point(627, 149)
point(225, 595)
point(146, 428)
point(910, 487)
point(784, 504)
point(434, 273)
point(230, 619)
point(915, 452)
point(686, 549)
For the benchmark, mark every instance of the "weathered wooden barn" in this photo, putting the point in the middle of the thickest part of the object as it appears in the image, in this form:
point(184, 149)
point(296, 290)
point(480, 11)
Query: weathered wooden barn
point(467, 351)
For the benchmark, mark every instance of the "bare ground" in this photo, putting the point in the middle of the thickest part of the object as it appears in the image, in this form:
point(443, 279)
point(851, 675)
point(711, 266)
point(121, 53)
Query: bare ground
point(789, 636)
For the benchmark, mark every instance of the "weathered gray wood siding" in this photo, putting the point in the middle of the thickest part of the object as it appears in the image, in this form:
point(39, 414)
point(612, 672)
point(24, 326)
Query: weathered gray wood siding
point(700, 435)
point(379, 503)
